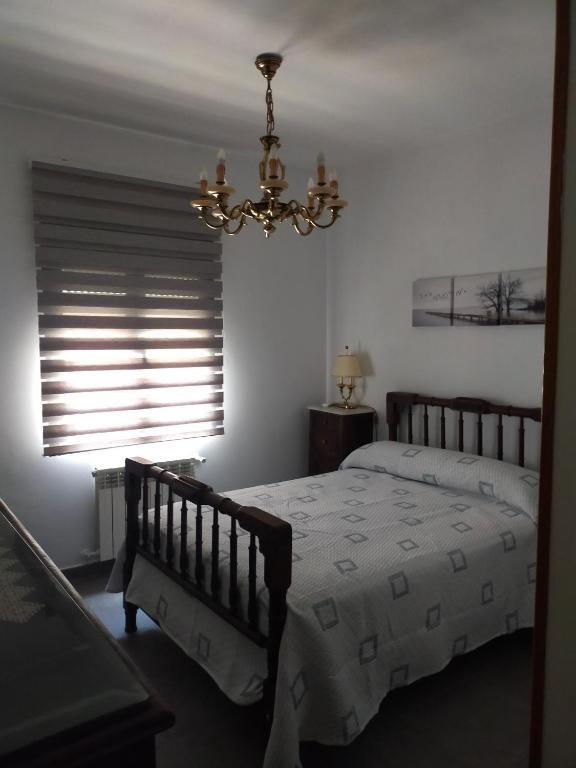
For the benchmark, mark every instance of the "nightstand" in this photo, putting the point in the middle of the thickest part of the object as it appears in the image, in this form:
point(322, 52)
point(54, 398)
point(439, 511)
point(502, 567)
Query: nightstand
point(336, 432)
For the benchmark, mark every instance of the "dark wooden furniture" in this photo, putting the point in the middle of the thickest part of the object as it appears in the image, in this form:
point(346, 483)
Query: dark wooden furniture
point(411, 406)
point(269, 535)
point(336, 432)
point(69, 697)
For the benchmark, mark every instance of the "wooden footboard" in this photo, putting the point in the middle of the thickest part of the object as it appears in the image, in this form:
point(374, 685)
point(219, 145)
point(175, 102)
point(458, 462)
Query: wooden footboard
point(271, 535)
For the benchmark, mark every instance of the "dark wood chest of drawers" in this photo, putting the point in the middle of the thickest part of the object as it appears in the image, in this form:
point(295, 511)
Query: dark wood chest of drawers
point(334, 433)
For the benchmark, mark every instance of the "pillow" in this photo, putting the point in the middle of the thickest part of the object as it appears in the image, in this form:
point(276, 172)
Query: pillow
point(516, 486)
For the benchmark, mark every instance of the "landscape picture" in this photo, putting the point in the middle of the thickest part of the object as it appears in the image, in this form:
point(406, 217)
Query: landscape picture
point(523, 297)
point(516, 297)
point(432, 301)
point(476, 300)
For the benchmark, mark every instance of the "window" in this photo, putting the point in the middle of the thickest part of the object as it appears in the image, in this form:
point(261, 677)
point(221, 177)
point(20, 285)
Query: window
point(129, 311)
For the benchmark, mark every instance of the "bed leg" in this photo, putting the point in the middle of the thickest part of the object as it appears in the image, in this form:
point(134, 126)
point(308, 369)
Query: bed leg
point(268, 704)
point(277, 614)
point(130, 611)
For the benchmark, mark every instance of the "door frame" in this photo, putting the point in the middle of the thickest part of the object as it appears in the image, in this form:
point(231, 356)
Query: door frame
point(559, 120)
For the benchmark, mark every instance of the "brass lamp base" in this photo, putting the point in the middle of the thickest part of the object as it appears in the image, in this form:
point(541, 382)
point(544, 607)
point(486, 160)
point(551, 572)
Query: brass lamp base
point(345, 403)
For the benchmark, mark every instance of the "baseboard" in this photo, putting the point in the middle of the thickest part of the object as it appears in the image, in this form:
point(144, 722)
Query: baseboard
point(88, 569)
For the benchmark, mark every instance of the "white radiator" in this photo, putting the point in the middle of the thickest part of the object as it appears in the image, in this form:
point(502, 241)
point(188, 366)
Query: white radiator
point(109, 487)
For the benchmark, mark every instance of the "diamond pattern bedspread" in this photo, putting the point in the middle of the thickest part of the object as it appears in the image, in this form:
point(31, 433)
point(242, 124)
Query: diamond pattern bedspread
point(392, 578)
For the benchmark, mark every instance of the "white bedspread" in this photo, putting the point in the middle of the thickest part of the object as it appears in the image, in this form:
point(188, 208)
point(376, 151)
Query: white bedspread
point(392, 578)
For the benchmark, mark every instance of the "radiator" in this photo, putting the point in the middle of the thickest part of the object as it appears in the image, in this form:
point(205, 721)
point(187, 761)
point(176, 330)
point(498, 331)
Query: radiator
point(109, 488)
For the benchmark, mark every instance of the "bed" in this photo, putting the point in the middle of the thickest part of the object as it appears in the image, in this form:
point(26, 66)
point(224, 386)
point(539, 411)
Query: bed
point(322, 594)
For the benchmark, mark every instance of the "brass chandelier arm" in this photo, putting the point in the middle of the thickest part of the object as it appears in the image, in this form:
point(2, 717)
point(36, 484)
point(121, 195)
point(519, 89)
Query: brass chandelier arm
point(312, 217)
point(213, 222)
point(228, 214)
point(231, 214)
point(308, 214)
point(335, 217)
point(232, 232)
point(333, 220)
point(286, 213)
point(296, 225)
point(236, 212)
point(312, 225)
point(239, 213)
point(268, 212)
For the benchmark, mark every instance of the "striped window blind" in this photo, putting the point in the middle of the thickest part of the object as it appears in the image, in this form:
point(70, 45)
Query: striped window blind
point(129, 311)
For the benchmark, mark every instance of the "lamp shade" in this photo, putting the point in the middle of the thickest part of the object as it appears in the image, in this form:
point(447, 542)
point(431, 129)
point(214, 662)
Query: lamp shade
point(346, 365)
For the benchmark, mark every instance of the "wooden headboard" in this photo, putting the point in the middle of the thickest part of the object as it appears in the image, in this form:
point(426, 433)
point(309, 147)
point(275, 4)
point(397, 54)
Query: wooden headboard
point(404, 403)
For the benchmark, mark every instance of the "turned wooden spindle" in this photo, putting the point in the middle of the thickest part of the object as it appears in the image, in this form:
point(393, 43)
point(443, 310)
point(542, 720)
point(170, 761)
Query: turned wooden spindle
point(184, 539)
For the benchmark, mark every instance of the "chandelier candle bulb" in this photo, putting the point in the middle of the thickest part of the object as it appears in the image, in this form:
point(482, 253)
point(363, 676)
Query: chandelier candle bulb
point(310, 194)
point(203, 183)
point(321, 168)
point(274, 161)
point(333, 180)
point(220, 166)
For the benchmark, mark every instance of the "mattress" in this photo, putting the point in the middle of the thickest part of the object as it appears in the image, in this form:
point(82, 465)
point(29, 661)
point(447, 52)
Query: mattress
point(402, 559)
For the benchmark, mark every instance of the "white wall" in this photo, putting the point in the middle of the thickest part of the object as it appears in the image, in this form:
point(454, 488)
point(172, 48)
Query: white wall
point(463, 207)
point(475, 205)
point(274, 327)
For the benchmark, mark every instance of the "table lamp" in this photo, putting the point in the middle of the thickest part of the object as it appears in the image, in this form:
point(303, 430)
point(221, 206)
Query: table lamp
point(346, 366)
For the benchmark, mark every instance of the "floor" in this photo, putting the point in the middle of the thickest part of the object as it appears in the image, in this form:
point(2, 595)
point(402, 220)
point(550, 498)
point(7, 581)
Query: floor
point(475, 713)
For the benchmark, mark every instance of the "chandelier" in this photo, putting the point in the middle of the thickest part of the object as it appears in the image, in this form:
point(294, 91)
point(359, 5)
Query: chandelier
point(323, 204)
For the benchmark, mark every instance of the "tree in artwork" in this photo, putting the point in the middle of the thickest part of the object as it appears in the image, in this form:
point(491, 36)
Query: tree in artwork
point(500, 295)
point(511, 288)
point(490, 295)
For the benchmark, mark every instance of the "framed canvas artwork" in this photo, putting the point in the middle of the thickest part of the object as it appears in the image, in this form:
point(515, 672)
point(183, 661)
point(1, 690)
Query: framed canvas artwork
point(476, 299)
point(523, 297)
point(516, 297)
point(432, 301)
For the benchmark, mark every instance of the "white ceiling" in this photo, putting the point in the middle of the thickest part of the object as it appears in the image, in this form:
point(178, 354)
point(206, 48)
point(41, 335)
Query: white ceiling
point(358, 74)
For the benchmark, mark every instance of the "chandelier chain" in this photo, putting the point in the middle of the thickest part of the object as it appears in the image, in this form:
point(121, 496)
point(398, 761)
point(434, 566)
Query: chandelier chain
point(269, 110)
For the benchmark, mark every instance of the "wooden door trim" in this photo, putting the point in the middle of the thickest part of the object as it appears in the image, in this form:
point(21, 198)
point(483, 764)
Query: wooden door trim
point(561, 77)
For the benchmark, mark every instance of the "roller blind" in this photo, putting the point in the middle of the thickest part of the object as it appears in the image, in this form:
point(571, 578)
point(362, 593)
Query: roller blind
point(129, 311)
